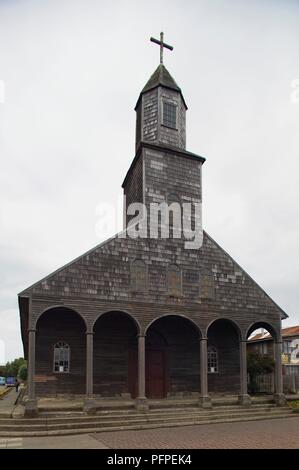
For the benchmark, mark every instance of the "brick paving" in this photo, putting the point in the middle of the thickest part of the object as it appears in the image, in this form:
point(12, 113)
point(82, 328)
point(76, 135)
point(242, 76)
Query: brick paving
point(267, 434)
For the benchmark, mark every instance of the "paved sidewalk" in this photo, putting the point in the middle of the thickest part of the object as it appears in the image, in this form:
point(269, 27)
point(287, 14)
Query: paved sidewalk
point(83, 441)
point(266, 434)
point(7, 403)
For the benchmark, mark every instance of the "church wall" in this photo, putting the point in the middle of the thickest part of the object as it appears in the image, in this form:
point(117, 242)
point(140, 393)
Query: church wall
point(133, 190)
point(167, 174)
point(101, 280)
point(150, 116)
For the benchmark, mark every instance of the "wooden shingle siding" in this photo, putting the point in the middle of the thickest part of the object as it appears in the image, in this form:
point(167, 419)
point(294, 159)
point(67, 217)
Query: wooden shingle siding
point(208, 285)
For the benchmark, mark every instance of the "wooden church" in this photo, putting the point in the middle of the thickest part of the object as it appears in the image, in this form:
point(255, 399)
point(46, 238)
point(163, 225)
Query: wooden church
point(146, 317)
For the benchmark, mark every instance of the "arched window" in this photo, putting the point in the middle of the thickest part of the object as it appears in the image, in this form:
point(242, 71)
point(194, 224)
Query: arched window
point(174, 281)
point(61, 357)
point(212, 360)
point(138, 276)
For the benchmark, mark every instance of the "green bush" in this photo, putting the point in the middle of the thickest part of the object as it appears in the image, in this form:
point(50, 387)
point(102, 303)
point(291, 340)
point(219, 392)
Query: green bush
point(11, 369)
point(258, 364)
point(22, 373)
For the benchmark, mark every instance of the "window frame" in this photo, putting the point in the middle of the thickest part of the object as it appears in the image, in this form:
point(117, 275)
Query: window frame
point(69, 358)
point(134, 265)
point(174, 268)
point(207, 283)
point(175, 105)
point(212, 350)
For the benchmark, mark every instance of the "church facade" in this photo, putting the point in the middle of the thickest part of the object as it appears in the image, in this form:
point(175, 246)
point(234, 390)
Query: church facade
point(148, 317)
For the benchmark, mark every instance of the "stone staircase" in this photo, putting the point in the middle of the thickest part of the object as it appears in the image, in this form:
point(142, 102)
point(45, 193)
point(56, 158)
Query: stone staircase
point(54, 422)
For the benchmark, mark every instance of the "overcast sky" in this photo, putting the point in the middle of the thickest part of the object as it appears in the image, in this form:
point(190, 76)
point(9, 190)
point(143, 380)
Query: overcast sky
point(72, 71)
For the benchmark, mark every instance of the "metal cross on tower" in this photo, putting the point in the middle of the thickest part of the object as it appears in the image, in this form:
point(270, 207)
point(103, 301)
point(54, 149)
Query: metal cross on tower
point(162, 44)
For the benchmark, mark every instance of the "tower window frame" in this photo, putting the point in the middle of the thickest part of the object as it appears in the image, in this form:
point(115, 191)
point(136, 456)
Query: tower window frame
point(169, 114)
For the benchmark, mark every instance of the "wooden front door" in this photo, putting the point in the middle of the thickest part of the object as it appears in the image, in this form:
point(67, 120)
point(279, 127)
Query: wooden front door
point(155, 373)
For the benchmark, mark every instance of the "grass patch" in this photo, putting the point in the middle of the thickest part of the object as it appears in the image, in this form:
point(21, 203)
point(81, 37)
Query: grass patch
point(294, 405)
point(3, 391)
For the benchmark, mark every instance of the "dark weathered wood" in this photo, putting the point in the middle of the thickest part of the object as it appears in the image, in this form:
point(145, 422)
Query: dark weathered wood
point(208, 286)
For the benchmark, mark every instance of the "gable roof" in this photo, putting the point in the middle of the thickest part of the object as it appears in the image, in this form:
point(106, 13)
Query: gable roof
point(28, 290)
point(284, 315)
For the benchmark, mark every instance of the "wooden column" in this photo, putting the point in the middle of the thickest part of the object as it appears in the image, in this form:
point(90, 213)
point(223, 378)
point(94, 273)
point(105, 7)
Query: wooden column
point(279, 395)
point(205, 400)
point(89, 365)
point(244, 398)
point(31, 364)
point(89, 402)
point(141, 400)
point(31, 408)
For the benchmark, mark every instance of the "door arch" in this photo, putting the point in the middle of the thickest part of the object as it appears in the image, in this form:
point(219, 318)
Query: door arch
point(172, 357)
point(115, 354)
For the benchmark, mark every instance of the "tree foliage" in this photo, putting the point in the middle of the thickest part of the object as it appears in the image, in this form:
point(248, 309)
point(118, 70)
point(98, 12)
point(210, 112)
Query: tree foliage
point(11, 369)
point(258, 364)
point(22, 373)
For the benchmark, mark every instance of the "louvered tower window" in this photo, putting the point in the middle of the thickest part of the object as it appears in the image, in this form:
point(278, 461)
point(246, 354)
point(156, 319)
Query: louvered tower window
point(169, 115)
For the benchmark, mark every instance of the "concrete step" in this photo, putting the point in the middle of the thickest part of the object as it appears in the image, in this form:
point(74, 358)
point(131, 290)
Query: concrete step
point(137, 421)
point(100, 421)
point(78, 407)
point(178, 413)
point(138, 426)
point(111, 412)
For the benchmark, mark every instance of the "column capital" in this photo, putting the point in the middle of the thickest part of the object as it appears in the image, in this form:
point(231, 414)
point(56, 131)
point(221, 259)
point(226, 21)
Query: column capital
point(141, 335)
point(31, 330)
point(242, 340)
point(203, 338)
point(89, 332)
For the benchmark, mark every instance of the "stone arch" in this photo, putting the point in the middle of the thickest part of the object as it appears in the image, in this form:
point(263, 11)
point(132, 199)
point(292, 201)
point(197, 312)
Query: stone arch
point(174, 315)
point(172, 356)
point(54, 324)
point(224, 334)
point(122, 311)
point(115, 354)
point(233, 322)
point(274, 332)
point(54, 307)
point(265, 382)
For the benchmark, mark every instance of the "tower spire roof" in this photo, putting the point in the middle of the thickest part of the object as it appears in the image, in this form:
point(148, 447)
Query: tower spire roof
point(161, 76)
